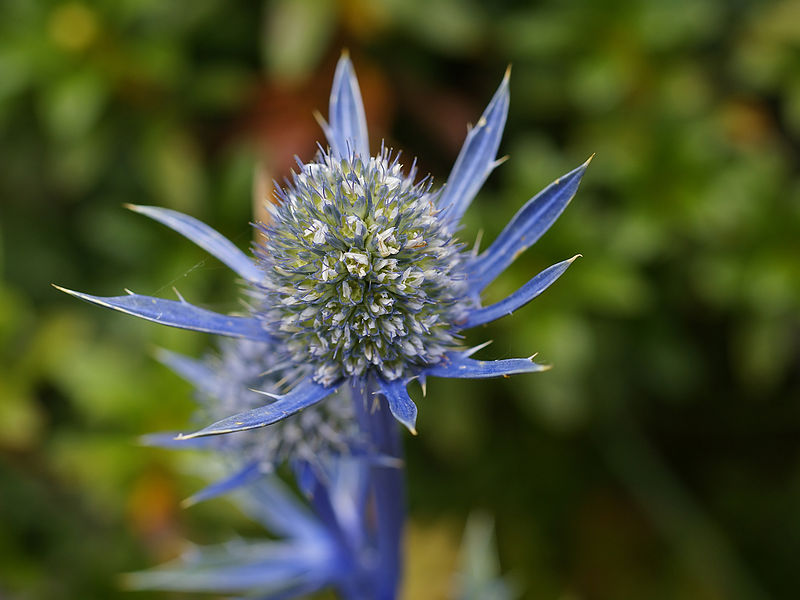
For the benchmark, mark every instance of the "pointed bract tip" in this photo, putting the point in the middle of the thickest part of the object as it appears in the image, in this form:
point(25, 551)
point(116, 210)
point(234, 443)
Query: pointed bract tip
point(589, 160)
point(411, 425)
point(574, 258)
point(182, 437)
point(344, 64)
point(319, 118)
point(188, 502)
point(474, 349)
point(507, 74)
point(263, 393)
point(67, 290)
point(500, 160)
point(160, 354)
point(130, 206)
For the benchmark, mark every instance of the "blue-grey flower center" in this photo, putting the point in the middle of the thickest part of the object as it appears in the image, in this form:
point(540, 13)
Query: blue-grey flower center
point(360, 274)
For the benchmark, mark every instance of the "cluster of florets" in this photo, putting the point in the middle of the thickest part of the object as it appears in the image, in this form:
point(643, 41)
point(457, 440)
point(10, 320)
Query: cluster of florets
point(315, 434)
point(360, 275)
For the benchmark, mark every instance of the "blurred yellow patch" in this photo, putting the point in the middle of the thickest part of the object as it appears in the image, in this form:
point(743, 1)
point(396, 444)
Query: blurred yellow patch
point(21, 421)
point(432, 552)
point(364, 19)
point(73, 26)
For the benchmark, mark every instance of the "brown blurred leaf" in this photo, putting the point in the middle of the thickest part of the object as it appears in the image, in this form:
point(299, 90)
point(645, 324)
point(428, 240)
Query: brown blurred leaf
point(153, 513)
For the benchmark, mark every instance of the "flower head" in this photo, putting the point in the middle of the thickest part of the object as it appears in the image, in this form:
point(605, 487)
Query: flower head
point(227, 382)
point(359, 273)
point(361, 276)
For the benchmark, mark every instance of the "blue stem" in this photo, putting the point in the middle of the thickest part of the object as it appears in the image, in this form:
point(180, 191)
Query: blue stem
point(387, 487)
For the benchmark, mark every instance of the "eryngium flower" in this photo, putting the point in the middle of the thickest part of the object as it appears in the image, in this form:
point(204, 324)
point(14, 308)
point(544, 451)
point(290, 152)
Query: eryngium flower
point(361, 276)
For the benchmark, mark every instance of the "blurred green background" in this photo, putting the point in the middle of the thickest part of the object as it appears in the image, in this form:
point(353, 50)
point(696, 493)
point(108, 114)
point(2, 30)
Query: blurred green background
point(660, 458)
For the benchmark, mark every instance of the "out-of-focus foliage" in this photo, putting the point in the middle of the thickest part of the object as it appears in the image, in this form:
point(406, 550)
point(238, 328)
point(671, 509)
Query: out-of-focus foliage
point(658, 459)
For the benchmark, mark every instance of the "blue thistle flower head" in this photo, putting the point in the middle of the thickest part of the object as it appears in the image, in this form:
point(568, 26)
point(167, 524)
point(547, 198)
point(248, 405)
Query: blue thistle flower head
point(360, 276)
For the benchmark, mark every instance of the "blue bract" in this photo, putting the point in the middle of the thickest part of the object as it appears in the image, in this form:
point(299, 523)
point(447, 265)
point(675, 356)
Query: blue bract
point(360, 276)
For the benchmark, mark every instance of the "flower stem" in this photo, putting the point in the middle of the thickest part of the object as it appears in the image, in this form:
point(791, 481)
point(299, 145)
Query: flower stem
point(387, 487)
